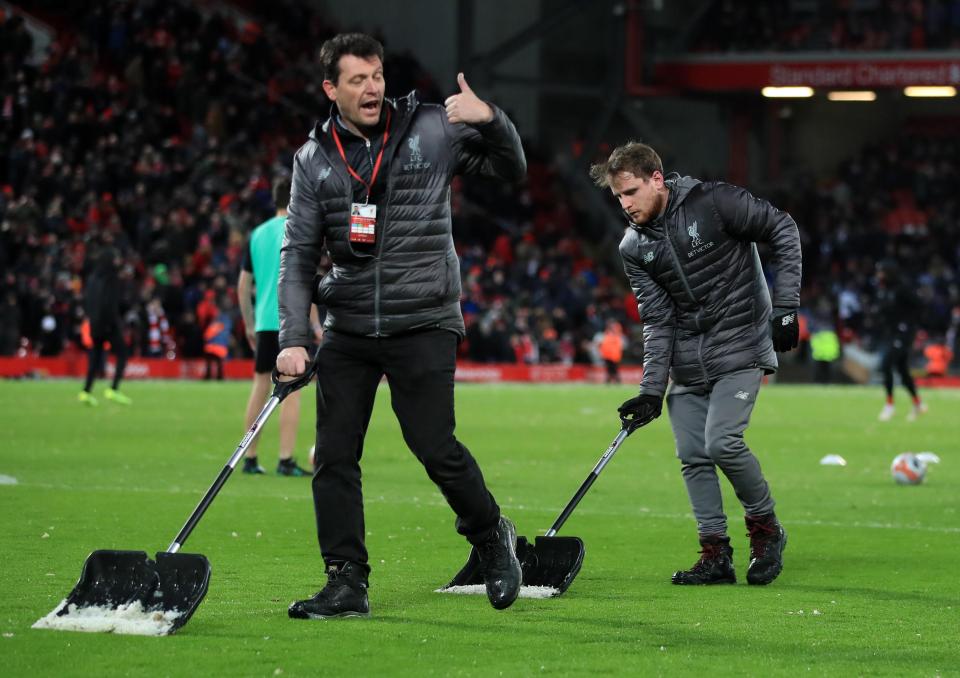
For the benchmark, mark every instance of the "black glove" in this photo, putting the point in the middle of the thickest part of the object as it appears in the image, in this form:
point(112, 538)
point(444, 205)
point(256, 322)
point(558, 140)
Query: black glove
point(640, 411)
point(786, 329)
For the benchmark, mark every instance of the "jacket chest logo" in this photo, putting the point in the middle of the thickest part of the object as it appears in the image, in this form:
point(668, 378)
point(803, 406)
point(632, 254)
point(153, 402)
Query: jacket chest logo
point(697, 246)
point(415, 162)
point(324, 173)
point(648, 257)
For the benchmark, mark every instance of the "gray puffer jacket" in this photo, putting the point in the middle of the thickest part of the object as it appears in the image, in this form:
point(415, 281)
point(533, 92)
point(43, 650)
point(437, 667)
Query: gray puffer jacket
point(410, 280)
point(699, 284)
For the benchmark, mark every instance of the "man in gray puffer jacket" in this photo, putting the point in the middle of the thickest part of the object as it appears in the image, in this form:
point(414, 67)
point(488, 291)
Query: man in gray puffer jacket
point(372, 185)
point(709, 325)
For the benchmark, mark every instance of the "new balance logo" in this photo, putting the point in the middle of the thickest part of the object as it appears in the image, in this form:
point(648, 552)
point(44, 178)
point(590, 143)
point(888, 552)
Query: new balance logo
point(788, 319)
point(324, 173)
point(742, 395)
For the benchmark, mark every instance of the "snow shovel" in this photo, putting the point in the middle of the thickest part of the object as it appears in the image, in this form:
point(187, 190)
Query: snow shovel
point(127, 592)
point(551, 563)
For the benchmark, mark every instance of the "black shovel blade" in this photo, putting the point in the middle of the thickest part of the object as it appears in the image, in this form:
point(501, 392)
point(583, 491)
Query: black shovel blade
point(184, 579)
point(113, 579)
point(159, 595)
point(552, 562)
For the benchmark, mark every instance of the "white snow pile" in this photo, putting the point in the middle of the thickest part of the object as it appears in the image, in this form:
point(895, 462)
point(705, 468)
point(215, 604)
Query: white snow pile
point(833, 460)
point(481, 590)
point(130, 619)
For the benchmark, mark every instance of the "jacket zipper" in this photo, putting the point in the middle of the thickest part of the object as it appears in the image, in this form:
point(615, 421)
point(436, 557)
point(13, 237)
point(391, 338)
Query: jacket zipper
point(693, 298)
point(376, 259)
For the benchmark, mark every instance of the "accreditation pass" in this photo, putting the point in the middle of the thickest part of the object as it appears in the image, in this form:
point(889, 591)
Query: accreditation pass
point(363, 223)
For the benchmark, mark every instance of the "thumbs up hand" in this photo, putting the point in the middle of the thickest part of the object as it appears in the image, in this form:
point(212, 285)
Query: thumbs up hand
point(467, 106)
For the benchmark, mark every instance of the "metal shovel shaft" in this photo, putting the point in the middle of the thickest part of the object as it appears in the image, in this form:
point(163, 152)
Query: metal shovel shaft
point(572, 504)
point(224, 474)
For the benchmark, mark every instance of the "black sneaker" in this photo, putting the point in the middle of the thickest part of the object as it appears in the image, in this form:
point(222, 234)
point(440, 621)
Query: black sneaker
point(714, 567)
point(250, 465)
point(288, 467)
point(767, 541)
point(500, 567)
point(345, 595)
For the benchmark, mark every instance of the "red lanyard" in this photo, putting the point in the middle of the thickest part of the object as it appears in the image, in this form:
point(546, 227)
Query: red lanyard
point(376, 165)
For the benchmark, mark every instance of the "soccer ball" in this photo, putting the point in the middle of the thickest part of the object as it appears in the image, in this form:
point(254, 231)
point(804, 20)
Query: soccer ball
point(908, 469)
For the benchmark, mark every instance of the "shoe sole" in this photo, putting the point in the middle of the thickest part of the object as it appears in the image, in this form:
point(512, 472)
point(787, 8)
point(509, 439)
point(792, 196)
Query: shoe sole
point(342, 615)
point(702, 583)
point(764, 582)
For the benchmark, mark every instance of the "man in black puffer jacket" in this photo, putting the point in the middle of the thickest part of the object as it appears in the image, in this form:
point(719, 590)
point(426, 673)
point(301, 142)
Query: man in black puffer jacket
point(690, 254)
point(373, 185)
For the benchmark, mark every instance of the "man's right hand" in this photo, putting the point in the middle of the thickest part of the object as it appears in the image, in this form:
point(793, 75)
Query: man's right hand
point(293, 361)
point(639, 411)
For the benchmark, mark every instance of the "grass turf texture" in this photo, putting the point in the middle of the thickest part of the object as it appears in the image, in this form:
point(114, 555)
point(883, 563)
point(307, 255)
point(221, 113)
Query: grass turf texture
point(869, 588)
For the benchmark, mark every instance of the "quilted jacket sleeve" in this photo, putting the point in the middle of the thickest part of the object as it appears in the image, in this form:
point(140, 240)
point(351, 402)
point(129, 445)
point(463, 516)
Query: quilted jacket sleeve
point(492, 149)
point(658, 314)
point(299, 254)
point(749, 218)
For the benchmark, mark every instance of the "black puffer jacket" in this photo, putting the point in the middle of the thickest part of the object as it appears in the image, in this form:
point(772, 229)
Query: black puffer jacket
point(699, 285)
point(410, 280)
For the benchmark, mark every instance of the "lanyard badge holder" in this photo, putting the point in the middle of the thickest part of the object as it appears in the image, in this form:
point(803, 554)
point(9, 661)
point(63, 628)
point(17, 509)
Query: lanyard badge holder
point(363, 215)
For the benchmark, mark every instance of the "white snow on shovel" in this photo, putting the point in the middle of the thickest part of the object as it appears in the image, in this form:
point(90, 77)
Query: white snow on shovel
point(131, 619)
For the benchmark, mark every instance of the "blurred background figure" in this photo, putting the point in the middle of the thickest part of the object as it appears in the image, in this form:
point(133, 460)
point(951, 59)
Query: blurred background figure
point(216, 338)
point(825, 350)
point(257, 294)
point(612, 343)
point(102, 305)
point(896, 309)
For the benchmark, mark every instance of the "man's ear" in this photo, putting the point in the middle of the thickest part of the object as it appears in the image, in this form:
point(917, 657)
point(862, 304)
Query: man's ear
point(330, 90)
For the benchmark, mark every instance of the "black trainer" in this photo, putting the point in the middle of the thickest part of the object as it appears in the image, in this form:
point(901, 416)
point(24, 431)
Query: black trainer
point(345, 595)
point(250, 465)
point(501, 569)
point(767, 541)
point(714, 567)
point(288, 467)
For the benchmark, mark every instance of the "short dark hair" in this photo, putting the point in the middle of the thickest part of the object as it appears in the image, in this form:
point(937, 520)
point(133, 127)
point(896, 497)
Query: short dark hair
point(356, 44)
point(281, 193)
point(638, 159)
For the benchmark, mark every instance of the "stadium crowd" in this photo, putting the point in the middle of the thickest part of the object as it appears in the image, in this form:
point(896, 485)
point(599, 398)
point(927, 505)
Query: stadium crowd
point(158, 127)
point(828, 25)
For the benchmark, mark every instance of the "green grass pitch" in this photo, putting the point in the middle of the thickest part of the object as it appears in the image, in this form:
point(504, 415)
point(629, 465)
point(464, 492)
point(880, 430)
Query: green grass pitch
point(870, 584)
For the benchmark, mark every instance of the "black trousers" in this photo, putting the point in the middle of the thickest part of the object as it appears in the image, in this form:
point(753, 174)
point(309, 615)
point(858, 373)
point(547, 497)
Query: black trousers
point(896, 356)
point(419, 368)
point(97, 354)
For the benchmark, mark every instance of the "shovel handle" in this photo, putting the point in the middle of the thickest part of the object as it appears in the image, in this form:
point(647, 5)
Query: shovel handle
point(585, 486)
point(280, 391)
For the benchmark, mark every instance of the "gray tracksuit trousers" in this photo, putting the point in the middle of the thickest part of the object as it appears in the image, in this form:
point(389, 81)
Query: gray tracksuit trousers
point(708, 422)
